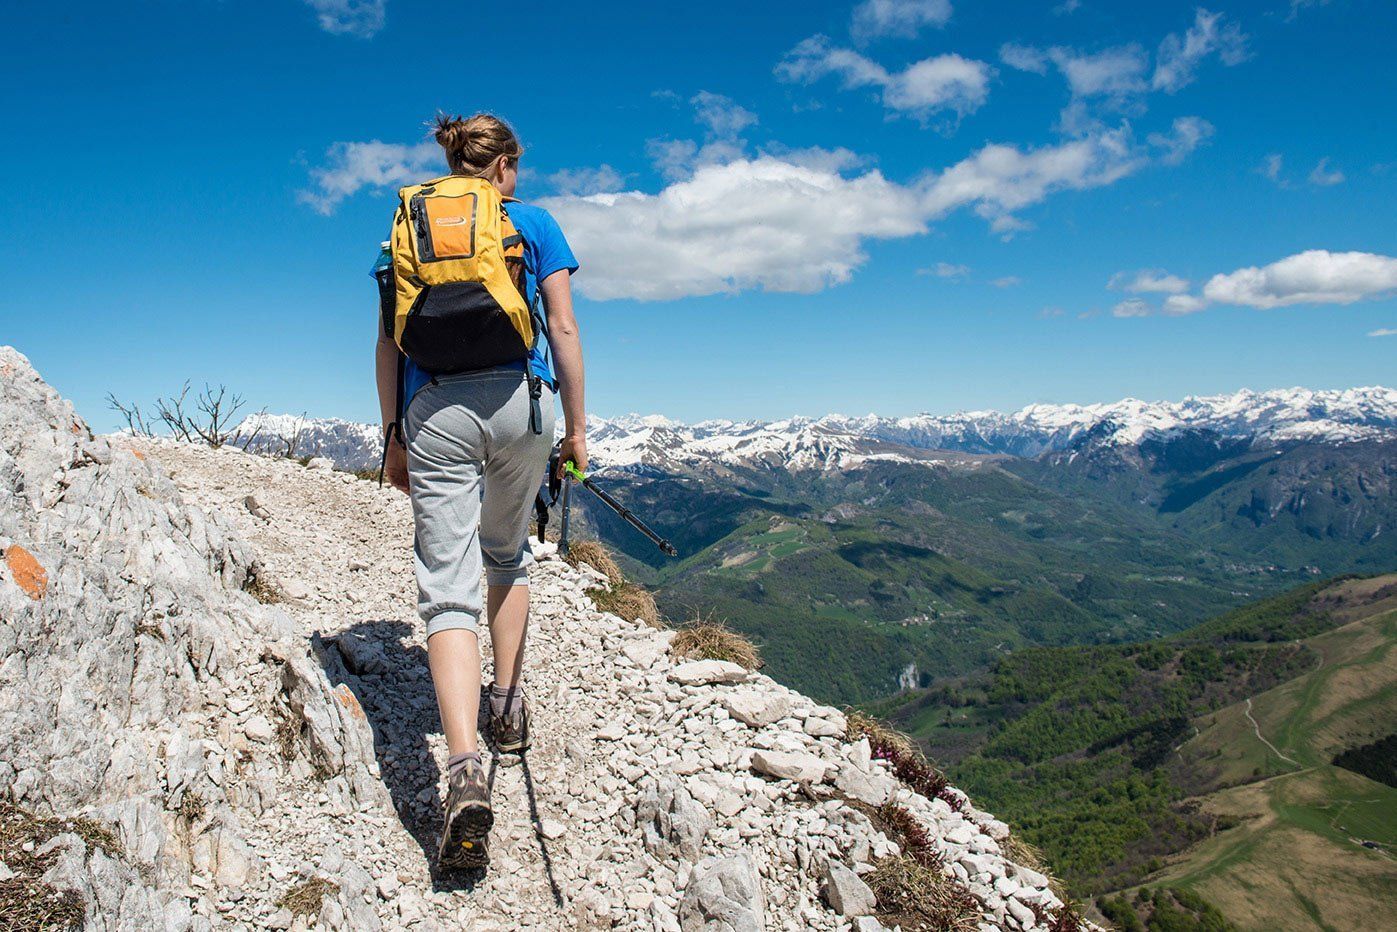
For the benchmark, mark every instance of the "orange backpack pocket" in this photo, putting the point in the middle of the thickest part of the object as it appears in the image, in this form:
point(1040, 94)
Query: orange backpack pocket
point(444, 226)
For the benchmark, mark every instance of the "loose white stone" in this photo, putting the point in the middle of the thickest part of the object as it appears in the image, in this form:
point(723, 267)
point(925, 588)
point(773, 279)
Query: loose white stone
point(707, 673)
point(788, 765)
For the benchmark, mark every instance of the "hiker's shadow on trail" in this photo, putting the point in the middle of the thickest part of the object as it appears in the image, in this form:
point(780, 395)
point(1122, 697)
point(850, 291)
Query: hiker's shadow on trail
point(388, 674)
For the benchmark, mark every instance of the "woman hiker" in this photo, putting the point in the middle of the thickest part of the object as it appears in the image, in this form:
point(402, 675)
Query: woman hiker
point(471, 449)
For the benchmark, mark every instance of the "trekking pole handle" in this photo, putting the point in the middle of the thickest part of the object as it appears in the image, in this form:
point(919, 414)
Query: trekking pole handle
point(571, 471)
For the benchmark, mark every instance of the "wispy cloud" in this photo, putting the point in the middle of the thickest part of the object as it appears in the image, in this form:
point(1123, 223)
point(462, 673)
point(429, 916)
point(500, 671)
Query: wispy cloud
point(1116, 73)
point(362, 18)
point(1324, 176)
point(1148, 281)
point(1023, 57)
point(1271, 168)
point(1119, 78)
point(924, 89)
point(1185, 136)
point(874, 19)
point(1178, 58)
point(1008, 281)
point(1131, 307)
point(946, 270)
point(1296, 6)
point(601, 179)
point(352, 166)
point(722, 116)
point(1383, 332)
point(722, 120)
point(1177, 305)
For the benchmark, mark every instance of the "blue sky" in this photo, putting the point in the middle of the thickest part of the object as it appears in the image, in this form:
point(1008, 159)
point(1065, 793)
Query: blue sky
point(782, 208)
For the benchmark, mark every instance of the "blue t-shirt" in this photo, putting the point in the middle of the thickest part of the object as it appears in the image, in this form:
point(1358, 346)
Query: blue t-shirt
point(546, 251)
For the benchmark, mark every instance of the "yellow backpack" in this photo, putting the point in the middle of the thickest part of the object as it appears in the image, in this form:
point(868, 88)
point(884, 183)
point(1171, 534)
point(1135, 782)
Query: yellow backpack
point(458, 275)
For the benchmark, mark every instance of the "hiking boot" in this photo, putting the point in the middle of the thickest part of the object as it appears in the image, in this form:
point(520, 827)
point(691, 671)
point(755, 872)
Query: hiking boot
point(511, 730)
point(467, 822)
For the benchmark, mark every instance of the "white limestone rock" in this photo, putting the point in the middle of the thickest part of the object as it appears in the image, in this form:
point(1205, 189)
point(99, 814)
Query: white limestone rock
point(708, 673)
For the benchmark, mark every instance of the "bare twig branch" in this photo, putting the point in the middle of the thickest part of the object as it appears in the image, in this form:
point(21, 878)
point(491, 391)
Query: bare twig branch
point(133, 416)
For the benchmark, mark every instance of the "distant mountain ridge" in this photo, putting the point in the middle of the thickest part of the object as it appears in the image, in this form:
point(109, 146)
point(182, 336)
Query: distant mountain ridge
point(1276, 416)
point(644, 443)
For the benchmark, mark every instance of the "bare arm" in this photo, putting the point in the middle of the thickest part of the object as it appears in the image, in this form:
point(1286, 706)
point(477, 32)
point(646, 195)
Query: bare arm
point(386, 375)
point(566, 344)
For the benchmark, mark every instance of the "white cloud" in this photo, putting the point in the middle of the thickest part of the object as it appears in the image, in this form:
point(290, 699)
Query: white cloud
point(923, 89)
point(723, 117)
point(1297, 5)
point(1178, 58)
point(1131, 307)
point(1177, 305)
point(362, 18)
point(1067, 6)
point(759, 223)
point(1148, 281)
point(722, 120)
point(352, 166)
point(946, 270)
point(1187, 134)
point(1117, 72)
point(603, 178)
point(999, 180)
point(1324, 176)
point(776, 224)
point(1383, 332)
point(1024, 57)
point(1271, 168)
point(1316, 276)
point(903, 18)
point(1008, 281)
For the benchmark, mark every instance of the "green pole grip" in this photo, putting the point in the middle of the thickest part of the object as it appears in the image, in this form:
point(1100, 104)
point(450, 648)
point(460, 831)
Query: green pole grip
point(571, 469)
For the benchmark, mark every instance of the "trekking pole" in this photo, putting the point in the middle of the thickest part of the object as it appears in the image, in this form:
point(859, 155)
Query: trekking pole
point(572, 472)
point(567, 516)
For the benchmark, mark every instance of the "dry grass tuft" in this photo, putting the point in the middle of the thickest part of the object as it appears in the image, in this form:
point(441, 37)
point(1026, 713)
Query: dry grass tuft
point(908, 831)
point(27, 904)
point(702, 639)
point(595, 555)
point(150, 630)
point(305, 898)
point(191, 807)
point(1023, 854)
point(878, 733)
point(918, 897)
point(909, 764)
point(288, 735)
point(630, 602)
point(262, 589)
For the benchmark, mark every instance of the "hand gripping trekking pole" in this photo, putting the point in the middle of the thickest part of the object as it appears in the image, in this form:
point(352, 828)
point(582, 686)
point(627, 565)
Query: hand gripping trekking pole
point(572, 472)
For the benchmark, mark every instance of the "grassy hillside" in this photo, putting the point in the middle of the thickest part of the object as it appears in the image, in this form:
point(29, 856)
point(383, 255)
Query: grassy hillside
point(1144, 763)
point(1297, 854)
point(853, 580)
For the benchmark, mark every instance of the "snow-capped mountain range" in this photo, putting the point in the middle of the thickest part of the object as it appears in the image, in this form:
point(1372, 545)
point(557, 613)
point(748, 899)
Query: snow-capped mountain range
point(643, 443)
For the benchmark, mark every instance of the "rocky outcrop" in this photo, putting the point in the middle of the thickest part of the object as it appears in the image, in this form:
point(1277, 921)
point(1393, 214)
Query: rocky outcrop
point(139, 683)
point(274, 761)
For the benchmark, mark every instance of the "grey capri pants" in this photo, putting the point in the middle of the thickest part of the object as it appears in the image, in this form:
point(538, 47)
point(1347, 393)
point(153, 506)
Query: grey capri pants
point(474, 467)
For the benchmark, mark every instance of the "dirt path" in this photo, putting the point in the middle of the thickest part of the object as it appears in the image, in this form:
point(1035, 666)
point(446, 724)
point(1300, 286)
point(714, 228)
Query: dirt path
point(1262, 738)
